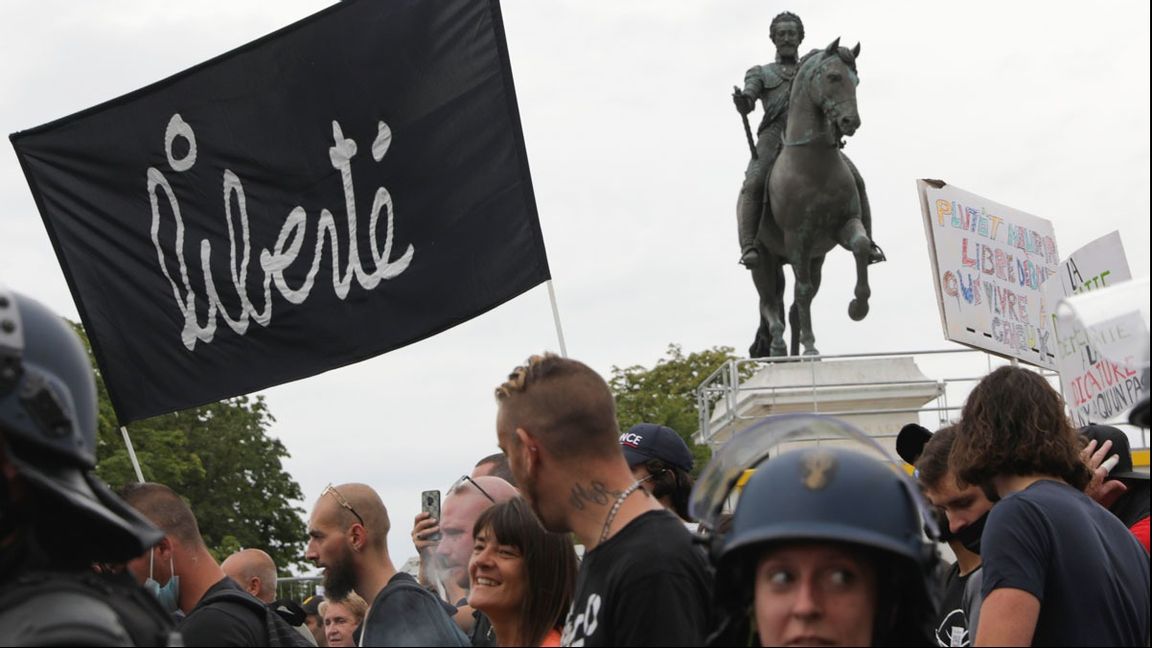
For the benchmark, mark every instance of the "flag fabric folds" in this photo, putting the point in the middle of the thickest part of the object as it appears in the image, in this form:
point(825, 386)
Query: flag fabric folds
point(345, 186)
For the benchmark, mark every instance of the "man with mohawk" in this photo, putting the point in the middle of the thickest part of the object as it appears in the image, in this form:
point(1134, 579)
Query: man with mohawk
point(642, 581)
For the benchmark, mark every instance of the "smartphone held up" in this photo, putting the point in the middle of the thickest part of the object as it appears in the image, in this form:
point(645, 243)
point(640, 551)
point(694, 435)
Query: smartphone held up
point(430, 504)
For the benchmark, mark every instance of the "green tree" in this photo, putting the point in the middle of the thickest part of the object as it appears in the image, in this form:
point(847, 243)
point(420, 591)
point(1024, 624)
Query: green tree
point(666, 393)
point(220, 458)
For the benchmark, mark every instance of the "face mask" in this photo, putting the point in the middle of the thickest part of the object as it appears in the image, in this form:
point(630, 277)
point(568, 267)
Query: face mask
point(970, 535)
point(941, 525)
point(169, 594)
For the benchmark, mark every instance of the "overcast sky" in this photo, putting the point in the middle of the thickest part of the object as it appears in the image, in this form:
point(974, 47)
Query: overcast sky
point(637, 155)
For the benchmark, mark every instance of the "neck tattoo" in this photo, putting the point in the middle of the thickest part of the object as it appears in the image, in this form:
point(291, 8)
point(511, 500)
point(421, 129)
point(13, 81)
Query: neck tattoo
point(620, 502)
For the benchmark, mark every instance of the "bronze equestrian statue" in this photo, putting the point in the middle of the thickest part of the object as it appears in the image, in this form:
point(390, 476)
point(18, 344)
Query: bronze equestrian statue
point(801, 196)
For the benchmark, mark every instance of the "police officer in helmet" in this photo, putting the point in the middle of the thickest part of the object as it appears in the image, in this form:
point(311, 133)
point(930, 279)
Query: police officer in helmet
point(825, 547)
point(57, 519)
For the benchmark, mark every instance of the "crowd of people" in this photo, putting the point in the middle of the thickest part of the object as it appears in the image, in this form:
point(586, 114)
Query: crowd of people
point(576, 534)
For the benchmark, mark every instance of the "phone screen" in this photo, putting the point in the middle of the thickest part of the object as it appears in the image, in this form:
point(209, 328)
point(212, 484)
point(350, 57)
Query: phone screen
point(430, 504)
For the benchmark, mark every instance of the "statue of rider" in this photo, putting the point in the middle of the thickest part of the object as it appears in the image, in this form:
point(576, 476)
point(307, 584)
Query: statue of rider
point(772, 85)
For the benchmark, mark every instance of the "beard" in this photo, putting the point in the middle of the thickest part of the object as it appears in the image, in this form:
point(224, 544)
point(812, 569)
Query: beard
point(787, 53)
point(339, 578)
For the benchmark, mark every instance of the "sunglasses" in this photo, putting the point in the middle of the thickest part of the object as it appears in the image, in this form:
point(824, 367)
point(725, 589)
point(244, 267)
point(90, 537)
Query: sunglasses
point(343, 502)
point(468, 479)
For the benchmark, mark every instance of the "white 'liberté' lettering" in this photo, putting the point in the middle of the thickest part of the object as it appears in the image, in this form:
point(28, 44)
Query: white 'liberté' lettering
point(287, 248)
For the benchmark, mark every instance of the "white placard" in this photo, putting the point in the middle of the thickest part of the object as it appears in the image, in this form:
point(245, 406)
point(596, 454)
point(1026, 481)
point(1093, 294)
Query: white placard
point(1097, 385)
point(990, 264)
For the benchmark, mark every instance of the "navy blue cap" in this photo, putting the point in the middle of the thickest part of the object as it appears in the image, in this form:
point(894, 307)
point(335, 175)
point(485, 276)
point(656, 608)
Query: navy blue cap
point(645, 441)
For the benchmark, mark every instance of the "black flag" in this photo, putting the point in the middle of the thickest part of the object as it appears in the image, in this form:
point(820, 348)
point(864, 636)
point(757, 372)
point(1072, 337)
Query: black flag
point(348, 185)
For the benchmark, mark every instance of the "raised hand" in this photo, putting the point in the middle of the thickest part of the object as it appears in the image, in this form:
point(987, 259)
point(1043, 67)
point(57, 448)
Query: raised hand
point(1102, 490)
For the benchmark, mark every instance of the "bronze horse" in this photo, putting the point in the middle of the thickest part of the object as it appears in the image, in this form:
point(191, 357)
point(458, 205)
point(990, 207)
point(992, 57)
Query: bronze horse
point(814, 201)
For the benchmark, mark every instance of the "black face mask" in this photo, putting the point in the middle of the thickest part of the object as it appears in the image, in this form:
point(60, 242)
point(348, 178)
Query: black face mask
point(941, 524)
point(970, 535)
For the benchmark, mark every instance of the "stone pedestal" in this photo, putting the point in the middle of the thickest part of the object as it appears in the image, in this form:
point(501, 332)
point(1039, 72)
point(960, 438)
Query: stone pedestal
point(878, 394)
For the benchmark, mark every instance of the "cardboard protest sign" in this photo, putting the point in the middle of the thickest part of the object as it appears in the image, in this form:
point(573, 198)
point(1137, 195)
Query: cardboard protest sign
point(990, 265)
point(1096, 387)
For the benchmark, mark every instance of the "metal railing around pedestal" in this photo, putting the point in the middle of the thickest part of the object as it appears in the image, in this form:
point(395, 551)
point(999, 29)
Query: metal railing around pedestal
point(727, 384)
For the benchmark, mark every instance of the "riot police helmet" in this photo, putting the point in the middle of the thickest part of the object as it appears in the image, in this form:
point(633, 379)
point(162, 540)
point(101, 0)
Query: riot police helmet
point(48, 424)
point(826, 493)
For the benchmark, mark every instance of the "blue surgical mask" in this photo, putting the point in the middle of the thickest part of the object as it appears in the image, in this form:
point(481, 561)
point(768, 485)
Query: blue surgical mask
point(169, 594)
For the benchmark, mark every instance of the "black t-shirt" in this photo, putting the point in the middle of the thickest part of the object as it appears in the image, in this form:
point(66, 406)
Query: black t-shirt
point(223, 623)
point(1088, 572)
point(952, 628)
point(647, 585)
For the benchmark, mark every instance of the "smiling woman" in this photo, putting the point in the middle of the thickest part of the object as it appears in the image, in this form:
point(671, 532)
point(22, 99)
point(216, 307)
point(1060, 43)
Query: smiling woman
point(522, 576)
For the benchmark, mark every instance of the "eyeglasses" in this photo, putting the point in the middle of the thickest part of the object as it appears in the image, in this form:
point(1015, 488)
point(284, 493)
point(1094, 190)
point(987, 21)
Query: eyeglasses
point(343, 502)
point(468, 479)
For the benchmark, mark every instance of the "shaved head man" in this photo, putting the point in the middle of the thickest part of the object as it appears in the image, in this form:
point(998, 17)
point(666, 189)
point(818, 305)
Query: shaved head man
point(557, 424)
point(348, 538)
point(255, 571)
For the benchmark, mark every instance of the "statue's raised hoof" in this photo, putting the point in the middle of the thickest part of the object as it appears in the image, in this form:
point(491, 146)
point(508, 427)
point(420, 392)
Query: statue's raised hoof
point(876, 255)
point(750, 259)
point(857, 310)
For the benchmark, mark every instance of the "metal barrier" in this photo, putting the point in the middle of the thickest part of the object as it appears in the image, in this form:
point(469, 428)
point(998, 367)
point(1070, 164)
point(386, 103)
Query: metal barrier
point(297, 588)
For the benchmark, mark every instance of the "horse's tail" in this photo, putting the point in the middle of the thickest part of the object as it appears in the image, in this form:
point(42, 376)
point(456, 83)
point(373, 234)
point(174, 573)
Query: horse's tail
point(794, 327)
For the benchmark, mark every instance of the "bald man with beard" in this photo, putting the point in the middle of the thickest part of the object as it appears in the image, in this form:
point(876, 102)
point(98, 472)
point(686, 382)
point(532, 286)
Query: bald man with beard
point(348, 539)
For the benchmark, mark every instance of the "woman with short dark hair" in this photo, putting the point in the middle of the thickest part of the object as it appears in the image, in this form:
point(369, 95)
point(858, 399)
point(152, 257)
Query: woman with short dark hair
point(522, 577)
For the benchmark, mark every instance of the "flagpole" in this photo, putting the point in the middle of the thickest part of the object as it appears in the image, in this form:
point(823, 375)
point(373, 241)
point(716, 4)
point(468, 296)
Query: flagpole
point(132, 454)
point(556, 318)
